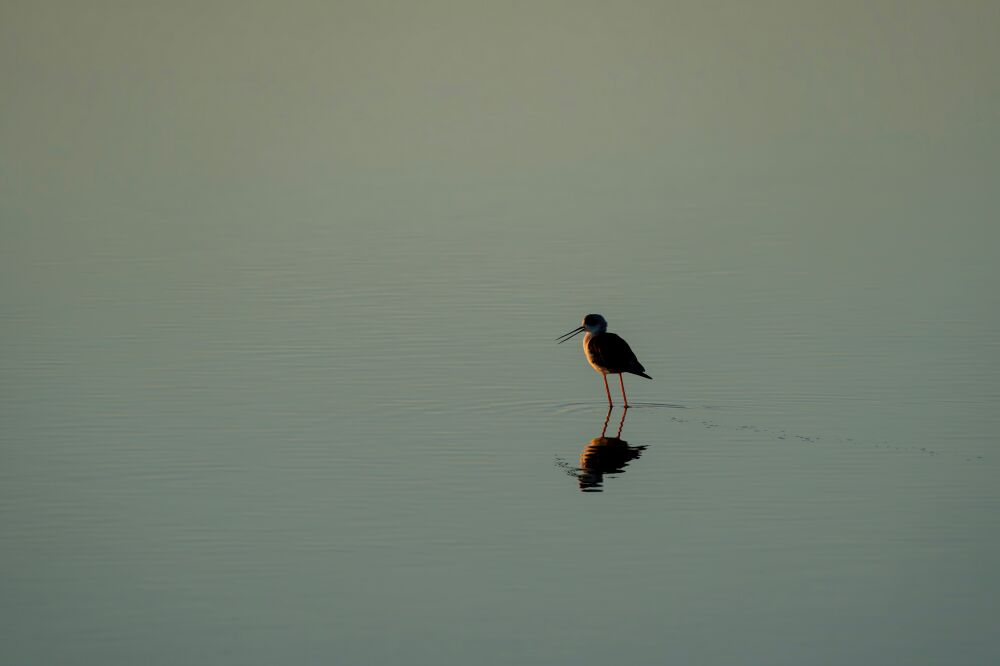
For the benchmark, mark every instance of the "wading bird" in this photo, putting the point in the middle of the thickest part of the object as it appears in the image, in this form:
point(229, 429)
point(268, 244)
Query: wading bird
point(606, 352)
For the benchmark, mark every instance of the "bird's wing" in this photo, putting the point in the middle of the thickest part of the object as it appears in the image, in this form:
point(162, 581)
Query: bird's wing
point(614, 352)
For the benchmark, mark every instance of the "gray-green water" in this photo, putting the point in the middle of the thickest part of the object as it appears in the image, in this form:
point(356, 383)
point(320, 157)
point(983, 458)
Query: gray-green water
point(279, 294)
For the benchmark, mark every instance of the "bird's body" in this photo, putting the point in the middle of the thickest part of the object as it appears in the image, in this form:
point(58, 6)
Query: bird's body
point(606, 352)
point(609, 354)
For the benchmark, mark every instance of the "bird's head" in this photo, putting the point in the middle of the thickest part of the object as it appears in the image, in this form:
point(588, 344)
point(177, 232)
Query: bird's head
point(595, 323)
point(592, 323)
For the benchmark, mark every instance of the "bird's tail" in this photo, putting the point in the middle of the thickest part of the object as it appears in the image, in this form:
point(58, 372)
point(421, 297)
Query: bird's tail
point(641, 374)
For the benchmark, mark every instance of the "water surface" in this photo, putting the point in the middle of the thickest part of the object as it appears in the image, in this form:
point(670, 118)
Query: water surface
point(279, 381)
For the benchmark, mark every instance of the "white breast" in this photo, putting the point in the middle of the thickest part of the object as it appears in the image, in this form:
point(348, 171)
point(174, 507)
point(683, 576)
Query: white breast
point(590, 359)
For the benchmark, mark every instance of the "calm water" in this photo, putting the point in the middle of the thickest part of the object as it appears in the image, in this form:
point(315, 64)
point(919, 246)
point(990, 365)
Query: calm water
point(279, 380)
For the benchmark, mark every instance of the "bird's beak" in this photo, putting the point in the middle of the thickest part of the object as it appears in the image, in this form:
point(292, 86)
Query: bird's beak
point(566, 336)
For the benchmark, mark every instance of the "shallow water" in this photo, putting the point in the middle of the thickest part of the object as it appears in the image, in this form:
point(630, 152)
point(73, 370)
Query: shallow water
point(257, 414)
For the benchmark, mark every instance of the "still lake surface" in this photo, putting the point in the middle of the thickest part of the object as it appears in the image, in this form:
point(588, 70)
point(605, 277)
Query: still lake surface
point(279, 290)
point(300, 446)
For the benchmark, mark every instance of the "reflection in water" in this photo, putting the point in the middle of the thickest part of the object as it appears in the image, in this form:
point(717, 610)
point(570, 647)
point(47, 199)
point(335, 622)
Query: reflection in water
point(605, 455)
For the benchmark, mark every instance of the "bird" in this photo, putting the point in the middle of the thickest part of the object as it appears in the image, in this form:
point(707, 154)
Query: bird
point(606, 352)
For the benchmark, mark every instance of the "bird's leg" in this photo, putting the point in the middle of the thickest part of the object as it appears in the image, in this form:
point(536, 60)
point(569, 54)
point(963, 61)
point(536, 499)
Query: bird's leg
point(608, 390)
point(621, 379)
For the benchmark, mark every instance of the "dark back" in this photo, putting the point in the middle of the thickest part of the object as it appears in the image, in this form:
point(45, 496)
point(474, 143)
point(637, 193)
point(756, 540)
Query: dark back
point(612, 352)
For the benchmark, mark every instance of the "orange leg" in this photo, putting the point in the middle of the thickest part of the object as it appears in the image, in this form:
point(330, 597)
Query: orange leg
point(621, 379)
point(608, 390)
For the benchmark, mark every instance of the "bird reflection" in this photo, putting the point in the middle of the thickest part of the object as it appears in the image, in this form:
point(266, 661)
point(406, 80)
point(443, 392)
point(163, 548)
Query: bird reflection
point(605, 455)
